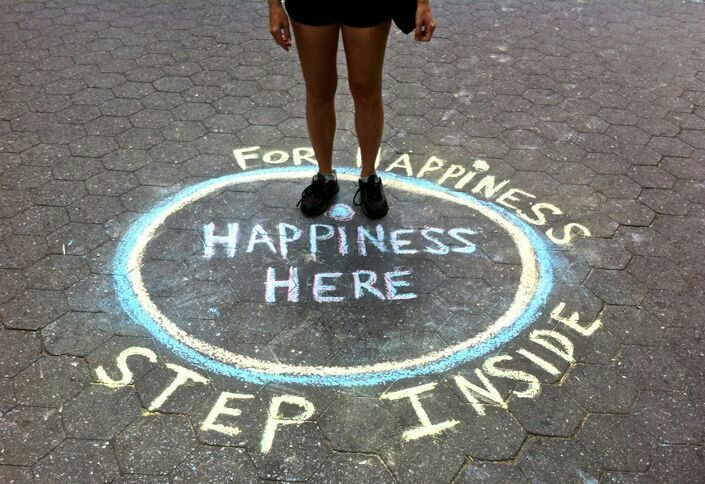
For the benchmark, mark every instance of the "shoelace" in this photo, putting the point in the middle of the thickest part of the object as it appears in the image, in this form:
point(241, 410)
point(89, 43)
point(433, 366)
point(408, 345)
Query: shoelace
point(373, 190)
point(316, 185)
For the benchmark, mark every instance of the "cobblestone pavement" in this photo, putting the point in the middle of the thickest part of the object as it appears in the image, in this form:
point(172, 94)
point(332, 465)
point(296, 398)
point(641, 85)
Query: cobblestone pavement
point(530, 310)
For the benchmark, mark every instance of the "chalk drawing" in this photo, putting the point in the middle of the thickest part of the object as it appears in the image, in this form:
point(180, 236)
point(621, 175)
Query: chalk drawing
point(427, 427)
point(276, 419)
point(221, 408)
point(488, 392)
point(533, 385)
point(340, 212)
point(572, 321)
point(127, 376)
point(534, 286)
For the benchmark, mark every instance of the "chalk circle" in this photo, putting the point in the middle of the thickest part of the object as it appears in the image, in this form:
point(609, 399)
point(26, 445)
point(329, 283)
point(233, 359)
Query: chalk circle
point(340, 212)
point(534, 286)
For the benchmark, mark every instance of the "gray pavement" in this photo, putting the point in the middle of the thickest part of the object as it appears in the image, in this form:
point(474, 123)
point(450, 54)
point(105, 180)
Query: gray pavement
point(531, 309)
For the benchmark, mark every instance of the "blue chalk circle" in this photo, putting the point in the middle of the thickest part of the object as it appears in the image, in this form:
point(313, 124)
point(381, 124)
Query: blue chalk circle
point(340, 212)
point(535, 284)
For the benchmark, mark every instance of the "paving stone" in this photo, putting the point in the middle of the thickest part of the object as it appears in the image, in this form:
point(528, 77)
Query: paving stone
point(78, 461)
point(56, 272)
point(51, 381)
point(497, 435)
point(95, 209)
point(76, 333)
point(354, 467)
point(139, 138)
point(491, 472)
point(93, 146)
point(60, 193)
point(678, 463)
point(76, 168)
point(15, 474)
point(619, 442)
point(100, 412)
point(615, 287)
point(39, 220)
point(24, 177)
point(633, 325)
point(14, 202)
point(21, 348)
point(669, 416)
point(423, 460)
point(558, 460)
point(216, 464)
point(154, 444)
point(33, 309)
point(600, 388)
point(357, 424)
point(145, 118)
point(554, 412)
point(296, 453)
point(29, 433)
point(7, 396)
point(76, 239)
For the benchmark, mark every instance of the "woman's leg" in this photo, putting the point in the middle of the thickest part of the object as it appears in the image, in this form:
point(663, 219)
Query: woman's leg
point(317, 48)
point(364, 50)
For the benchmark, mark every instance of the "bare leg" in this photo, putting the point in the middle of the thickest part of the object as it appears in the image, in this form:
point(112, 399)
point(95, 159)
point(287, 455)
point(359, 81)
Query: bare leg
point(364, 50)
point(317, 48)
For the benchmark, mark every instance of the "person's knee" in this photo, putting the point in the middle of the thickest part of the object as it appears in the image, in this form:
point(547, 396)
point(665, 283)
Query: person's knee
point(323, 93)
point(365, 93)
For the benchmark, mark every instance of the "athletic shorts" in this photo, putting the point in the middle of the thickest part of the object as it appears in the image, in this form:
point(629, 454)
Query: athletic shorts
point(353, 13)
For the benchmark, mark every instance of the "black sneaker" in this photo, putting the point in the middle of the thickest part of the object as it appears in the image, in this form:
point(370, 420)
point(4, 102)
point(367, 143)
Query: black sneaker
point(374, 203)
point(317, 196)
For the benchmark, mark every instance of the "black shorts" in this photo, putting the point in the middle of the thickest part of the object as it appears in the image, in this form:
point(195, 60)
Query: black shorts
point(353, 13)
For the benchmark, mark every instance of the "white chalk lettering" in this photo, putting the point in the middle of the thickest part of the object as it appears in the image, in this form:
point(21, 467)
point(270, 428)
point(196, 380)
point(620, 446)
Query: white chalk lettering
point(426, 427)
point(243, 154)
point(541, 337)
point(304, 154)
point(433, 164)
point(453, 171)
point(540, 362)
point(121, 362)
point(367, 285)
point(441, 248)
point(568, 235)
point(319, 287)
point(363, 234)
point(534, 386)
point(183, 375)
point(275, 157)
point(469, 247)
point(315, 237)
point(220, 408)
point(402, 162)
point(285, 239)
point(572, 321)
point(488, 392)
point(260, 236)
point(398, 243)
point(276, 419)
point(391, 283)
point(489, 186)
point(291, 284)
point(210, 241)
